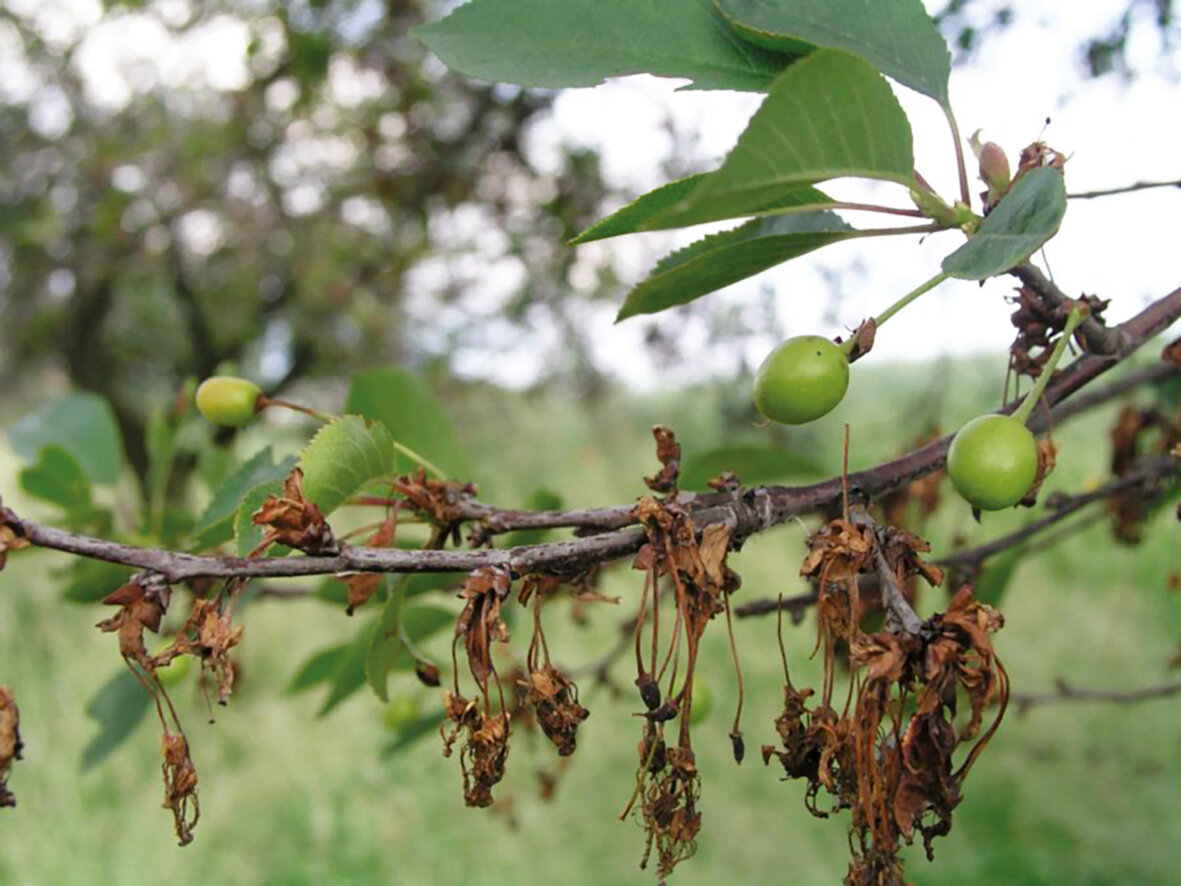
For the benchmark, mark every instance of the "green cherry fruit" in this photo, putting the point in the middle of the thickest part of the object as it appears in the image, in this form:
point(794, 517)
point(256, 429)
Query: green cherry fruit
point(802, 379)
point(228, 401)
point(992, 462)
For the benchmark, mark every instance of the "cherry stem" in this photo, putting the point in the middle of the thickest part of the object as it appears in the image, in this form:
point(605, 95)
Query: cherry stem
point(327, 417)
point(885, 315)
point(265, 401)
point(873, 207)
point(965, 194)
point(1023, 411)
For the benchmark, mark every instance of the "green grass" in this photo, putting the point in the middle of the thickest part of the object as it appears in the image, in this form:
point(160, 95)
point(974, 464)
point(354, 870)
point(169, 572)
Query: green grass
point(1079, 794)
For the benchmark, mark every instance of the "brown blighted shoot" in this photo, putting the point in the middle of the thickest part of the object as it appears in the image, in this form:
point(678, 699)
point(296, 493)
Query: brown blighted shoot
point(180, 785)
point(551, 695)
point(294, 521)
point(668, 785)
point(10, 743)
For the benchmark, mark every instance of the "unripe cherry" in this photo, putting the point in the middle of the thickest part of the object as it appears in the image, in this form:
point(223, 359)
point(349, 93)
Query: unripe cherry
point(228, 401)
point(992, 462)
point(802, 379)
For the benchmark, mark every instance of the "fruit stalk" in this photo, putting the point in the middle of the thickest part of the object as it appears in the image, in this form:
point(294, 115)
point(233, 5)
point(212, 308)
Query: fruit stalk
point(1024, 411)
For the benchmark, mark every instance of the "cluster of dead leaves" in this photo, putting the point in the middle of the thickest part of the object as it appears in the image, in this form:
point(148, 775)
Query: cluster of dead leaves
point(888, 758)
point(10, 742)
point(294, 521)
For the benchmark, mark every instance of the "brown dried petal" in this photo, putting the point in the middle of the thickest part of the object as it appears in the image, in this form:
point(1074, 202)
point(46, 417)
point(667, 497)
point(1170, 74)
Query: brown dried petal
point(180, 785)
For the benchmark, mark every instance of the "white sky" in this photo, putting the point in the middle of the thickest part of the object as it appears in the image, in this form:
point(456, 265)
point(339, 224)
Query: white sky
point(1116, 133)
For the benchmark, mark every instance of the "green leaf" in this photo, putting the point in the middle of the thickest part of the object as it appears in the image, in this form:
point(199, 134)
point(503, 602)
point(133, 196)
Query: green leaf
point(88, 581)
point(344, 456)
point(404, 403)
point(753, 464)
point(721, 259)
point(898, 38)
point(400, 628)
point(828, 116)
point(247, 534)
point(558, 43)
point(118, 707)
point(58, 479)
point(216, 525)
point(82, 424)
point(658, 209)
point(319, 668)
point(411, 733)
point(1026, 218)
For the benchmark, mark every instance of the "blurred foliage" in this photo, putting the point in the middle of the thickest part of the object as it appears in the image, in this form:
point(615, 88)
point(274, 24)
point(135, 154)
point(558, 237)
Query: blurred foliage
point(349, 203)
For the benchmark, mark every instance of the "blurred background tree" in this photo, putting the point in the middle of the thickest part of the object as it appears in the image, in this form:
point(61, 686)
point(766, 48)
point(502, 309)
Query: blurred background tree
point(331, 210)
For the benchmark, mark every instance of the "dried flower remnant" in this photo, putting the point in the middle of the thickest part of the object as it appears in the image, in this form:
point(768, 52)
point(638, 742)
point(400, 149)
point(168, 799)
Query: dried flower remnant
point(294, 521)
point(142, 603)
point(485, 746)
point(548, 692)
point(668, 451)
point(484, 751)
point(180, 785)
point(209, 634)
point(438, 501)
point(10, 743)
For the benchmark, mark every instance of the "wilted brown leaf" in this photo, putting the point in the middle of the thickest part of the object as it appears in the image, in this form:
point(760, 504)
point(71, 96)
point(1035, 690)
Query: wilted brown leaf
point(180, 785)
point(294, 521)
point(10, 742)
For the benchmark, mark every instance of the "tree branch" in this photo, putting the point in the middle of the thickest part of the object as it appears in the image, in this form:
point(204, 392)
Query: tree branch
point(1126, 189)
point(1063, 691)
point(747, 512)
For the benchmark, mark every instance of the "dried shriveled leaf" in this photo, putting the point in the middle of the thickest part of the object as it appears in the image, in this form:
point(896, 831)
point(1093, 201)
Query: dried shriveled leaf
point(668, 451)
point(363, 585)
point(142, 603)
point(292, 520)
point(180, 785)
point(10, 742)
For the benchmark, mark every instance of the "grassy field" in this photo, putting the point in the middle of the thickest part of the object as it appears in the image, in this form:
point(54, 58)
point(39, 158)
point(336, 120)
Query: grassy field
point(1078, 794)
